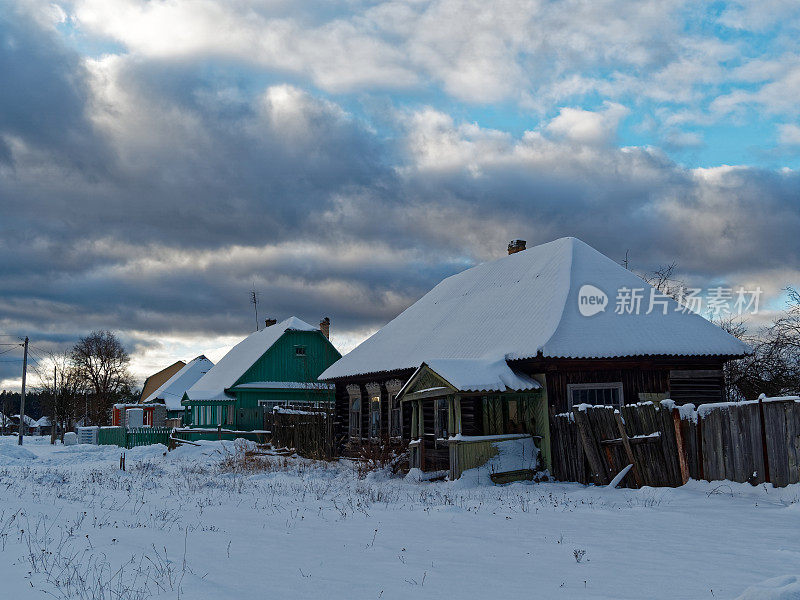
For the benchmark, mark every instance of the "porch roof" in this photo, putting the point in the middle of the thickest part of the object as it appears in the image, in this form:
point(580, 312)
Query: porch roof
point(469, 375)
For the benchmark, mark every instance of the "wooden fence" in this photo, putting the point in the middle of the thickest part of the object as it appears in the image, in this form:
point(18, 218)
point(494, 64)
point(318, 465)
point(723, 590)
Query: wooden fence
point(754, 442)
point(307, 431)
point(130, 438)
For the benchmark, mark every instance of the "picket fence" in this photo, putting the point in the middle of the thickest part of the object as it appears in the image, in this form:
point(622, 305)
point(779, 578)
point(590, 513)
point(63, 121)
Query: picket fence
point(130, 438)
point(754, 442)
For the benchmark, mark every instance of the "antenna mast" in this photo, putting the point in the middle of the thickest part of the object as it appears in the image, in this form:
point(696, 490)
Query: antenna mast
point(254, 302)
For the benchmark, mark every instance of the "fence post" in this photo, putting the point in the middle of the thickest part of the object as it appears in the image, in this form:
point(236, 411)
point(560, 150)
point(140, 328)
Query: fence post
point(676, 420)
point(765, 450)
point(595, 461)
point(628, 451)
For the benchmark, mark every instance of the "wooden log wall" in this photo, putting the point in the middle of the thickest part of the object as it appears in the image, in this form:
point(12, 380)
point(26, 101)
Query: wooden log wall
point(748, 442)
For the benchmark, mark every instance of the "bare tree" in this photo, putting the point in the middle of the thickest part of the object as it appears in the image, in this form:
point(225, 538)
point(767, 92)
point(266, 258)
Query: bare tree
point(774, 367)
point(62, 386)
point(665, 281)
point(102, 363)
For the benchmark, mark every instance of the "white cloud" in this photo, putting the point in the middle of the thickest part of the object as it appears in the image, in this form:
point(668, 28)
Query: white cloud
point(588, 127)
point(789, 134)
point(529, 52)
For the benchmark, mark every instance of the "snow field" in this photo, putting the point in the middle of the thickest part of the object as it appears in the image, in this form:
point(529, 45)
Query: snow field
point(175, 525)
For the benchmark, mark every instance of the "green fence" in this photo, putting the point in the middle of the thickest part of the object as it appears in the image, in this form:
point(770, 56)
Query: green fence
point(111, 436)
point(130, 438)
point(145, 436)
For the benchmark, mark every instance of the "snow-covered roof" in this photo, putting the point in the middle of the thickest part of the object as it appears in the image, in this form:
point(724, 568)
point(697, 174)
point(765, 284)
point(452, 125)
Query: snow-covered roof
point(283, 385)
point(526, 303)
point(172, 390)
point(468, 375)
point(241, 357)
point(43, 421)
point(29, 421)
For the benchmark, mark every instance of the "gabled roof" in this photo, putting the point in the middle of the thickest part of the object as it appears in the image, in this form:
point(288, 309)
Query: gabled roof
point(468, 375)
point(241, 357)
point(156, 380)
point(527, 303)
point(172, 390)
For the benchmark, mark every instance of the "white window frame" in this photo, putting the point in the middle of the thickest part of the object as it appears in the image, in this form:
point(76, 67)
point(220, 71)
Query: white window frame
point(354, 394)
point(374, 411)
point(393, 388)
point(611, 385)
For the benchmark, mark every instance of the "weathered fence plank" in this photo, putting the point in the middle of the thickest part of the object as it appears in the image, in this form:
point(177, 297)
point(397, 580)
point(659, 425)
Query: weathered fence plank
point(599, 473)
point(777, 450)
point(746, 442)
point(792, 410)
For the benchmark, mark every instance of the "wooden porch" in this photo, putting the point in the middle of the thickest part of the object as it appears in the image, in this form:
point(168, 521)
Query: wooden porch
point(453, 431)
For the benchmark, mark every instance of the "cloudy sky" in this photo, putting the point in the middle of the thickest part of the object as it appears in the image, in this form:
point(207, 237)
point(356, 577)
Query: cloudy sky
point(159, 158)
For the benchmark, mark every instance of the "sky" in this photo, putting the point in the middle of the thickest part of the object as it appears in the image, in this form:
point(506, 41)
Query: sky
point(159, 159)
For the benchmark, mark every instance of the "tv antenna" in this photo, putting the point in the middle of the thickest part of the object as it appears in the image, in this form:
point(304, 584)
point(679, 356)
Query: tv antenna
point(254, 302)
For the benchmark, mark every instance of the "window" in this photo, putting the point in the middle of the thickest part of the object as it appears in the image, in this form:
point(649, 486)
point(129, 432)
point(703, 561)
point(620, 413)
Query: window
point(393, 387)
point(375, 417)
point(269, 405)
point(395, 417)
point(596, 394)
point(299, 350)
point(440, 418)
point(374, 392)
point(354, 392)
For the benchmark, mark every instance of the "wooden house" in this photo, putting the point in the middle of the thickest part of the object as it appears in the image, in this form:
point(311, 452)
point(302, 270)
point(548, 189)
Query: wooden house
point(156, 380)
point(170, 393)
point(275, 366)
point(490, 354)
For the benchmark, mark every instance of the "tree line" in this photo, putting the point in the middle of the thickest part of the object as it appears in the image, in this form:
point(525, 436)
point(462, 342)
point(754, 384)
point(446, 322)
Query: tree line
point(82, 384)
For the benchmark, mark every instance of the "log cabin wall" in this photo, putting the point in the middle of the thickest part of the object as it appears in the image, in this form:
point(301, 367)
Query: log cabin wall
point(684, 379)
point(341, 424)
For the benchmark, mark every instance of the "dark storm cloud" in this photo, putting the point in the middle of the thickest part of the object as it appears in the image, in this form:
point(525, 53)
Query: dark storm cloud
point(148, 197)
point(44, 93)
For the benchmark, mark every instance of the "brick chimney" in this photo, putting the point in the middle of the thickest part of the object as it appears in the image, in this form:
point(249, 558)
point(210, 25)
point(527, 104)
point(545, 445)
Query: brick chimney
point(515, 246)
point(325, 327)
point(270, 322)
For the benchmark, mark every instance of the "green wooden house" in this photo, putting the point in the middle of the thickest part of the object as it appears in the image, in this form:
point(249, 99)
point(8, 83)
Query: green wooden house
point(275, 366)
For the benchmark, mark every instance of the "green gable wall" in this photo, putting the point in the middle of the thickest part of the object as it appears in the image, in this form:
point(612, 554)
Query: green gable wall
point(280, 363)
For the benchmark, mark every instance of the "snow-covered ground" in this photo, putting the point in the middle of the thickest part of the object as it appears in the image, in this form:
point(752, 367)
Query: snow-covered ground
point(175, 525)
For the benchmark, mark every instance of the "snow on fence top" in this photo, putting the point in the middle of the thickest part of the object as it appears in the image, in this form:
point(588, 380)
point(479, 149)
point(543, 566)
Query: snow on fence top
point(704, 409)
point(688, 411)
point(526, 303)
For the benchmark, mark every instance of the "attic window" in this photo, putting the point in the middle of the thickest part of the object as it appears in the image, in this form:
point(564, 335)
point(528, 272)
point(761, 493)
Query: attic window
point(299, 350)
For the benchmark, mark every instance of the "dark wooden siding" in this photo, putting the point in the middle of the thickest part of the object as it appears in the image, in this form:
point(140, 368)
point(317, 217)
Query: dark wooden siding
point(648, 375)
point(696, 386)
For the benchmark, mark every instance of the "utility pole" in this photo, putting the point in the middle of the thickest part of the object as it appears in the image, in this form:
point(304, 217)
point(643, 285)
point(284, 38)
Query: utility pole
point(22, 400)
point(54, 420)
